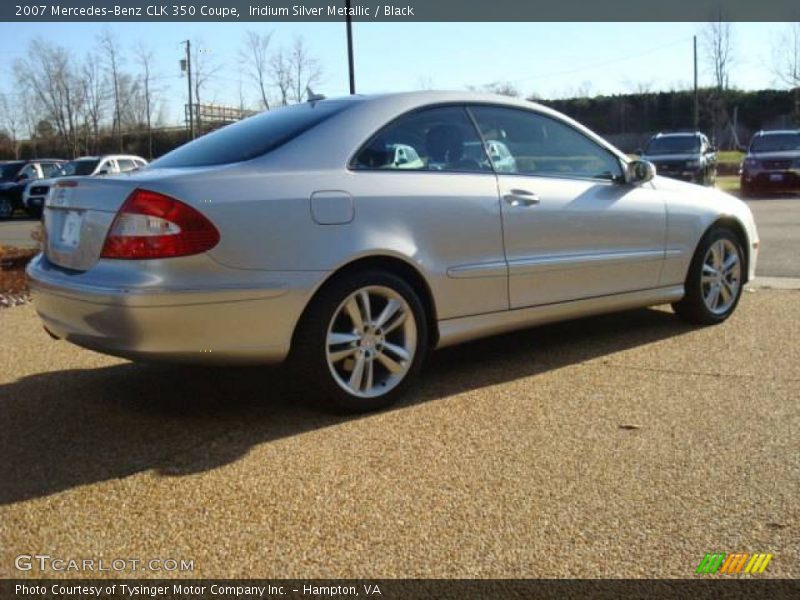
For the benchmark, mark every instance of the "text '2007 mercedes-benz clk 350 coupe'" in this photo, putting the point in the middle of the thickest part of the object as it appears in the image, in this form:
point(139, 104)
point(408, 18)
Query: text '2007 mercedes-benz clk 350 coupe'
point(351, 236)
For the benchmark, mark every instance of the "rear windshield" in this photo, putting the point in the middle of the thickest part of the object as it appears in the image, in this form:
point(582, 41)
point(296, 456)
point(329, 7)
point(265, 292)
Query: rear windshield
point(252, 137)
point(779, 142)
point(78, 167)
point(682, 144)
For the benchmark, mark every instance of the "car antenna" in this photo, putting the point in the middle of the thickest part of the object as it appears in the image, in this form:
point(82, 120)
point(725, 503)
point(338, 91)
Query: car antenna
point(312, 97)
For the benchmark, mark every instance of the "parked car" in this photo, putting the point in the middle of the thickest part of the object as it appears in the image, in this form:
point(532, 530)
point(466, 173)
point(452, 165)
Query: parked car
point(88, 166)
point(685, 156)
point(16, 174)
point(292, 235)
point(772, 163)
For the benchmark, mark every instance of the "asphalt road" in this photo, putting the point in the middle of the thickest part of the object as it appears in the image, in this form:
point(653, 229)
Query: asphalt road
point(620, 446)
point(778, 221)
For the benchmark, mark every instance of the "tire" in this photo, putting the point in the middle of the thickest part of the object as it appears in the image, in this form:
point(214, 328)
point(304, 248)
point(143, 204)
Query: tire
point(328, 366)
point(712, 288)
point(6, 208)
point(745, 190)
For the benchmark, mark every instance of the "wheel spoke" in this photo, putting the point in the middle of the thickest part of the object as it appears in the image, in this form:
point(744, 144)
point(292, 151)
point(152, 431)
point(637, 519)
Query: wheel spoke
point(392, 365)
point(719, 254)
point(712, 299)
point(391, 308)
point(354, 313)
point(342, 354)
point(366, 309)
point(337, 339)
point(358, 373)
point(396, 323)
point(731, 263)
point(725, 294)
point(398, 351)
point(369, 369)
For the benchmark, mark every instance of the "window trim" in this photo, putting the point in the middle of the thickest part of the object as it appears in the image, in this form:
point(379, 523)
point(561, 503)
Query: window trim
point(351, 167)
point(621, 180)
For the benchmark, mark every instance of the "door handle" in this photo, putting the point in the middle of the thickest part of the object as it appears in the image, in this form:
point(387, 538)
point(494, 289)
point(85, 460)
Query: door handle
point(521, 198)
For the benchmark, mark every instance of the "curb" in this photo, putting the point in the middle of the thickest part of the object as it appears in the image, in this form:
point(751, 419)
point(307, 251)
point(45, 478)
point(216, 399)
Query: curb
point(775, 283)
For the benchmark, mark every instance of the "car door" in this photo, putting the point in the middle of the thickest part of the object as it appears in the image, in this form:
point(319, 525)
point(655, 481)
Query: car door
point(572, 228)
point(423, 187)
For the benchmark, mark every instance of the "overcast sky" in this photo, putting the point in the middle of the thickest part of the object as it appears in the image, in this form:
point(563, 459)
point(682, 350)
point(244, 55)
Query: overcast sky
point(547, 59)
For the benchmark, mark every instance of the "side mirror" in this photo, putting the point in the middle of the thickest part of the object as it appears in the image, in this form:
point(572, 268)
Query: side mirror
point(640, 171)
point(711, 150)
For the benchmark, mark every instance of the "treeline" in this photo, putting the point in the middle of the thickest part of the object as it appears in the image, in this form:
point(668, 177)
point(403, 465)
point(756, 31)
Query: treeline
point(635, 116)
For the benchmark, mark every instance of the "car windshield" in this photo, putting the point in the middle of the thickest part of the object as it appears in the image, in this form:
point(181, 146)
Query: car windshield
point(78, 167)
point(9, 170)
point(252, 137)
point(679, 144)
point(780, 142)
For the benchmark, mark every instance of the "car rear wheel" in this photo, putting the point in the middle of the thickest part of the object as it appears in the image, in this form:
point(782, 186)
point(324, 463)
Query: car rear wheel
point(361, 342)
point(714, 282)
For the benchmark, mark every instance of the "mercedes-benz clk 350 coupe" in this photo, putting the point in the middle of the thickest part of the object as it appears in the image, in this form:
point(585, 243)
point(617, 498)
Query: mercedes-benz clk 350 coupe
point(304, 233)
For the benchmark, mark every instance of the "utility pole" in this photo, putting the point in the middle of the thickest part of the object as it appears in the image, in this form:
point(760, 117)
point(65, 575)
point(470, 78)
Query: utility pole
point(351, 66)
point(696, 98)
point(188, 62)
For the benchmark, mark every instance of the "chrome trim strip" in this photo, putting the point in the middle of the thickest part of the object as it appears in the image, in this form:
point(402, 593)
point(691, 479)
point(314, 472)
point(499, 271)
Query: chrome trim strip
point(463, 329)
point(475, 271)
point(529, 266)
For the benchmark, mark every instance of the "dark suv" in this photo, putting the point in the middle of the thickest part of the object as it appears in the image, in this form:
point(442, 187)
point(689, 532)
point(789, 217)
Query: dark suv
point(772, 162)
point(16, 174)
point(686, 156)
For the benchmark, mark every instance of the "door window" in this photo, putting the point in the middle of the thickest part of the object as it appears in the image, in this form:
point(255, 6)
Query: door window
point(529, 143)
point(434, 139)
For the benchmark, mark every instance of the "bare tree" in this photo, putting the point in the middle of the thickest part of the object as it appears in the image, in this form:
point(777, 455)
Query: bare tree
point(305, 70)
point(253, 56)
point(504, 88)
point(145, 58)
point(110, 46)
point(786, 56)
point(719, 52)
point(11, 120)
point(96, 94)
point(281, 74)
point(48, 73)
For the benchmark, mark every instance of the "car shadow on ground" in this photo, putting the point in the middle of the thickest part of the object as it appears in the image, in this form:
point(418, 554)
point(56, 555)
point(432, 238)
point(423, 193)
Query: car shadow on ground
point(64, 429)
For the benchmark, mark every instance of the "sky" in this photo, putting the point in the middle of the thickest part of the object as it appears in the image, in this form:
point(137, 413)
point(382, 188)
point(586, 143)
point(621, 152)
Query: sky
point(550, 60)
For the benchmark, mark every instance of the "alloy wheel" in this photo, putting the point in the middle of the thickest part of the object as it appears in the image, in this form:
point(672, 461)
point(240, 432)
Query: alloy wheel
point(371, 341)
point(721, 276)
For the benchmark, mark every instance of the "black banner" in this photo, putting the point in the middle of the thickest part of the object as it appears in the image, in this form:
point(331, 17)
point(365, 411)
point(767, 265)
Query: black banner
point(401, 10)
point(396, 589)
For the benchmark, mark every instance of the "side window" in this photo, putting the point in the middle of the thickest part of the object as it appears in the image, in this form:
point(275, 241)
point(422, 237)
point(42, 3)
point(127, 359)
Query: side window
point(435, 139)
point(532, 144)
point(126, 164)
point(29, 172)
point(49, 168)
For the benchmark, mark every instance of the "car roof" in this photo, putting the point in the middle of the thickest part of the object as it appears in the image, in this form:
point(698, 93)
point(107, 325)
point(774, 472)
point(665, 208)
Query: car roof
point(779, 132)
point(679, 134)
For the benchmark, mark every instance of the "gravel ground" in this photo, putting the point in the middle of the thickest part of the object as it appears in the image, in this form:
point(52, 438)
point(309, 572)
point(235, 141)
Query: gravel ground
point(620, 446)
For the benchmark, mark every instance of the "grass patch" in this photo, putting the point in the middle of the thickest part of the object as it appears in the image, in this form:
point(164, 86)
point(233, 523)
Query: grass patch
point(730, 157)
point(728, 183)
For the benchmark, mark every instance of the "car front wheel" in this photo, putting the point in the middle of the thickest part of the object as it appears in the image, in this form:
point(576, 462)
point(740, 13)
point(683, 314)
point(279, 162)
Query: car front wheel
point(714, 282)
point(361, 342)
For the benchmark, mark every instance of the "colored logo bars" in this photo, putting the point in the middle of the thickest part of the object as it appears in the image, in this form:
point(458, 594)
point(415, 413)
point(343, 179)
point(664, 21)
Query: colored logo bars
point(732, 564)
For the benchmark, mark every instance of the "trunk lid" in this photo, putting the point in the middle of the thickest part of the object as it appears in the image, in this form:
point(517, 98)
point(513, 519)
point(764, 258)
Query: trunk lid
point(77, 216)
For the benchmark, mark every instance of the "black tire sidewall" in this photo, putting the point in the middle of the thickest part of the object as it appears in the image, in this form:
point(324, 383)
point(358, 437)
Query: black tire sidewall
point(693, 306)
point(308, 357)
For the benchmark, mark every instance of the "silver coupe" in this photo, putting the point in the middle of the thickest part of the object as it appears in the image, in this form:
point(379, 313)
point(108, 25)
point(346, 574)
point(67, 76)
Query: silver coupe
point(351, 236)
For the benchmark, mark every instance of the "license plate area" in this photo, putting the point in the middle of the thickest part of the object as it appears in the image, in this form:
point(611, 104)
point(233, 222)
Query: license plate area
point(776, 177)
point(71, 229)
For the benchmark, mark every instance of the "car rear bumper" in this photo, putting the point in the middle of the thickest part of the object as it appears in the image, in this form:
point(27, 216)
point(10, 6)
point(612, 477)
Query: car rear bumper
point(224, 324)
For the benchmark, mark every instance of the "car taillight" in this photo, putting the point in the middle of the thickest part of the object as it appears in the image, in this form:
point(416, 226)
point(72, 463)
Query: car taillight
point(152, 225)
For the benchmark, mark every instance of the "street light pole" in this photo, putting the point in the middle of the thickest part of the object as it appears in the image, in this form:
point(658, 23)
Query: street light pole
point(696, 100)
point(189, 80)
point(350, 61)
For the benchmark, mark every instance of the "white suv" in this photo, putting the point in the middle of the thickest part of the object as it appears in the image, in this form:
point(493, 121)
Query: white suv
point(35, 193)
